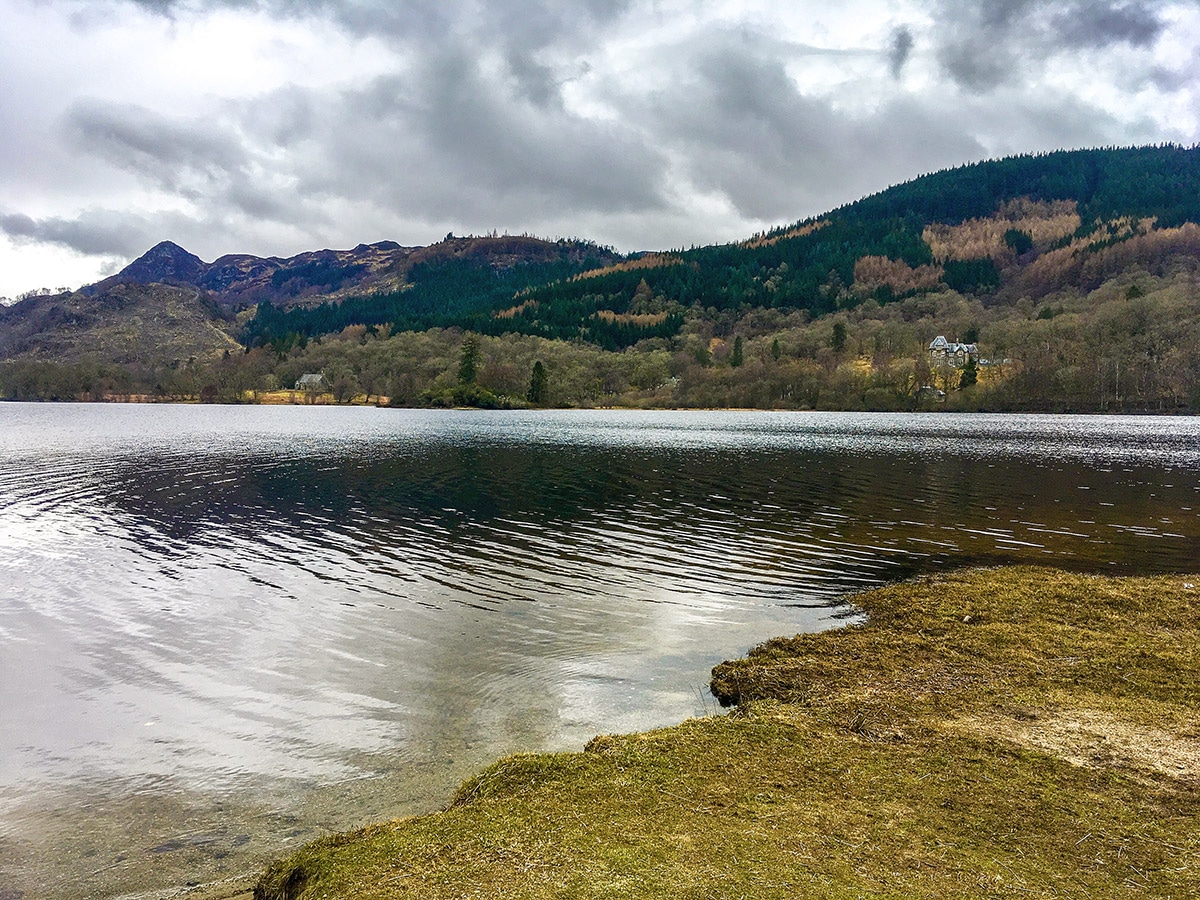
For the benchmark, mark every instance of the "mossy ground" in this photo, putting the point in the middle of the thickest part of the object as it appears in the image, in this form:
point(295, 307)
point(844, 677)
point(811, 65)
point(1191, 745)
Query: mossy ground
point(1015, 732)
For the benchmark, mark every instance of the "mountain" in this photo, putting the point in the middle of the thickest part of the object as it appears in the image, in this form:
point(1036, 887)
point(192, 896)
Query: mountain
point(236, 281)
point(168, 304)
point(164, 263)
point(1021, 226)
point(1025, 224)
point(1078, 272)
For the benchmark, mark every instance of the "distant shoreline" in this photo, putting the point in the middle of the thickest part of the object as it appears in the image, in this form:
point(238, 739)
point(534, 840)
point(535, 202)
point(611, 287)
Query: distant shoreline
point(276, 399)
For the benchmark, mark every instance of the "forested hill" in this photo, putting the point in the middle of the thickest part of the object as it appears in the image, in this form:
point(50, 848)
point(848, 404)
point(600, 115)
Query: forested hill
point(1023, 225)
point(1076, 274)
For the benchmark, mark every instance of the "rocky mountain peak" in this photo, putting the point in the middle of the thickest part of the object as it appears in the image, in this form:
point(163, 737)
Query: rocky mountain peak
point(164, 262)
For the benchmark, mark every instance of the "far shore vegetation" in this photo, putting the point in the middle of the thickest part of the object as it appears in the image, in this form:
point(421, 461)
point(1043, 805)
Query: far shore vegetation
point(1015, 732)
point(1075, 273)
point(1131, 345)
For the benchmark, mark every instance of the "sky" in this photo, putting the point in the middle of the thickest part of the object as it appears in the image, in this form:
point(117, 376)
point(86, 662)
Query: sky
point(277, 126)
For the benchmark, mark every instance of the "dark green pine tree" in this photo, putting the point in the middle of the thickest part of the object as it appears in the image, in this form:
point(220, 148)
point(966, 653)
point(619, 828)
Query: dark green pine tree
point(539, 386)
point(970, 374)
point(1020, 242)
point(736, 358)
point(838, 340)
point(468, 363)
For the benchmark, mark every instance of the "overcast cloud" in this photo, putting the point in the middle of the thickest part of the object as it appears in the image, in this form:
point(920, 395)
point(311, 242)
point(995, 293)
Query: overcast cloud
point(277, 126)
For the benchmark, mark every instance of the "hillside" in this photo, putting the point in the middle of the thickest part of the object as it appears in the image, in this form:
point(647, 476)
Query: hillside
point(1074, 272)
point(456, 281)
point(1023, 226)
point(125, 325)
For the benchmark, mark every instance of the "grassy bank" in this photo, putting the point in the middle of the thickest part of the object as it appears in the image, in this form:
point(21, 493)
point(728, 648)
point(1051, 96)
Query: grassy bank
point(1015, 732)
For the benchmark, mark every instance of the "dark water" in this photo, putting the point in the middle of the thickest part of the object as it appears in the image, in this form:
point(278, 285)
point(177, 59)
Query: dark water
point(227, 630)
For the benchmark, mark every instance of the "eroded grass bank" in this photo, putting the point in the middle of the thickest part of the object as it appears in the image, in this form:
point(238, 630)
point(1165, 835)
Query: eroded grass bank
point(993, 733)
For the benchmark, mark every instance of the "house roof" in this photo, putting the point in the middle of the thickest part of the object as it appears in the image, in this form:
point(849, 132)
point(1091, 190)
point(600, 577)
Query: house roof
point(940, 343)
point(310, 378)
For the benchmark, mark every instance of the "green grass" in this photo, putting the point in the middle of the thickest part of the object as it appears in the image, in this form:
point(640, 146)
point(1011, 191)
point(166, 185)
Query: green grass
point(1000, 733)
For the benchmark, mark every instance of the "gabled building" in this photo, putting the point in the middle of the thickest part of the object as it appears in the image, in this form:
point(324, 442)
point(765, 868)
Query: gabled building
point(951, 353)
point(312, 382)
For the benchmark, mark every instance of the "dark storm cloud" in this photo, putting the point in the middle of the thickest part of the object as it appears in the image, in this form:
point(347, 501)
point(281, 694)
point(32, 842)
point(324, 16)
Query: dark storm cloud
point(900, 50)
point(1104, 24)
point(986, 43)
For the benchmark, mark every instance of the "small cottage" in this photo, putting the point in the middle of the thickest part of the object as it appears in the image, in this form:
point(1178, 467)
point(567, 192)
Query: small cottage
point(312, 382)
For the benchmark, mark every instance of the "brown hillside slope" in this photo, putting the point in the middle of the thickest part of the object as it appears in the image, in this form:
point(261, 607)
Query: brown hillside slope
point(127, 324)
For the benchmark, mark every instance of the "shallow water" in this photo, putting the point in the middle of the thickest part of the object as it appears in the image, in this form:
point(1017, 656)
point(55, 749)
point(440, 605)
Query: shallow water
point(224, 630)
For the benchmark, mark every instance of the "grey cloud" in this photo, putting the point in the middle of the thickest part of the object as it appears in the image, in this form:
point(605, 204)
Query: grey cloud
point(539, 40)
point(750, 134)
point(900, 50)
point(987, 43)
point(1024, 124)
point(446, 140)
point(122, 235)
point(1104, 24)
point(96, 233)
point(179, 157)
point(518, 23)
point(471, 130)
point(977, 64)
point(1174, 79)
point(543, 23)
point(538, 83)
point(448, 137)
point(194, 160)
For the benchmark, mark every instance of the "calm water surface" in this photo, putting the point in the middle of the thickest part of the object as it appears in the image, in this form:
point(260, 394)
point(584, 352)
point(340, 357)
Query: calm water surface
point(226, 630)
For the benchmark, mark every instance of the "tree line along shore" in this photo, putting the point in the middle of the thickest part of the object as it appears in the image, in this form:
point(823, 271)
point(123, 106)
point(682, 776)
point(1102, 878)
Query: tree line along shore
point(1131, 345)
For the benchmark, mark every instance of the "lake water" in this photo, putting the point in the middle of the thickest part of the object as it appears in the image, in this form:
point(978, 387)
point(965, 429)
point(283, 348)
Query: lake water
point(227, 630)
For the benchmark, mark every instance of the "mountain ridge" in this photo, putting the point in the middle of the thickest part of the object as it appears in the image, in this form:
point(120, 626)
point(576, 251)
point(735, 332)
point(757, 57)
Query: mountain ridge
point(1079, 267)
point(240, 280)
